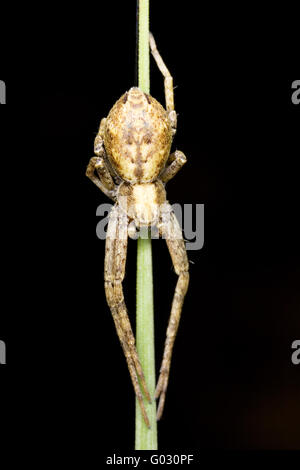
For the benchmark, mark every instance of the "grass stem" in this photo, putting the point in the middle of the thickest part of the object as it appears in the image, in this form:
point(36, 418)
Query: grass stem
point(145, 438)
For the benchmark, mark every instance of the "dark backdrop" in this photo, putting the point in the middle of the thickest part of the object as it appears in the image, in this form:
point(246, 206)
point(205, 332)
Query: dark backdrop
point(232, 383)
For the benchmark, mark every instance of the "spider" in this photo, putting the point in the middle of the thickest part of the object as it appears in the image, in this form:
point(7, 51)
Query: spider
point(132, 165)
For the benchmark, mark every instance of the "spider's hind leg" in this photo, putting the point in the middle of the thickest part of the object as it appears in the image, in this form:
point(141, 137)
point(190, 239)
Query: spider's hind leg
point(104, 180)
point(168, 79)
point(171, 231)
point(114, 271)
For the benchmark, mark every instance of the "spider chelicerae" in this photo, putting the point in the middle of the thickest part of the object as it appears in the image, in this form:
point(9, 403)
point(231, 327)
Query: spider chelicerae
point(132, 165)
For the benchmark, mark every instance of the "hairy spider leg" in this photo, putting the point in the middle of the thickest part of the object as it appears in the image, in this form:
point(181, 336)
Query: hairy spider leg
point(104, 181)
point(168, 82)
point(114, 272)
point(171, 230)
point(175, 162)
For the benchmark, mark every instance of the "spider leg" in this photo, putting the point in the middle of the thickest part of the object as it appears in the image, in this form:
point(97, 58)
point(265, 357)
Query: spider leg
point(176, 161)
point(171, 230)
point(168, 79)
point(114, 271)
point(104, 181)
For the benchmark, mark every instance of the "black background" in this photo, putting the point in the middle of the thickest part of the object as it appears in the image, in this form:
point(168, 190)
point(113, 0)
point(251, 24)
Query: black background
point(232, 384)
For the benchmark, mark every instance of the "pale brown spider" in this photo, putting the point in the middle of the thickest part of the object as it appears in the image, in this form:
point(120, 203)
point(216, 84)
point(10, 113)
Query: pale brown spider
point(133, 164)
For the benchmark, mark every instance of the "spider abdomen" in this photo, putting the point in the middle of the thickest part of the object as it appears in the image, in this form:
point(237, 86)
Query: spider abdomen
point(137, 137)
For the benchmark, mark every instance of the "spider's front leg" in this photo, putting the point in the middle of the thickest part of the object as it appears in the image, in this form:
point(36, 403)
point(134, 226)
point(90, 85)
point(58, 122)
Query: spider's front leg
point(114, 271)
point(171, 231)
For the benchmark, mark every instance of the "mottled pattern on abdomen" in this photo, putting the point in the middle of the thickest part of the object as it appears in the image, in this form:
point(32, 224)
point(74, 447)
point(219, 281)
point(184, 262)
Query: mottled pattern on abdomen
point(137, 137)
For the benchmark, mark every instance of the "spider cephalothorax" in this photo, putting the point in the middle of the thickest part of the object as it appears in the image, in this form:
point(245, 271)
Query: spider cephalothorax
point(133, 164)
